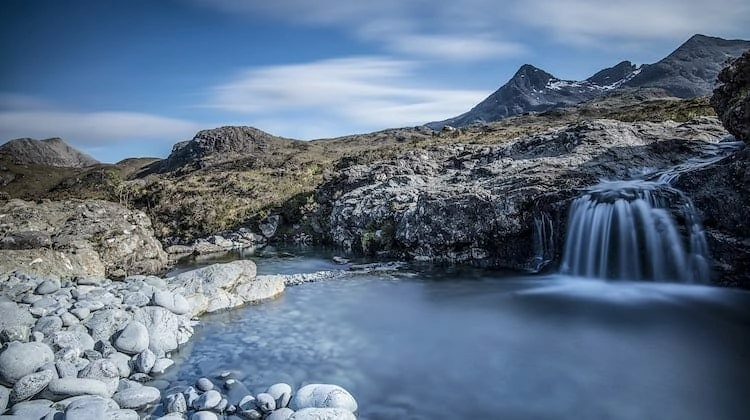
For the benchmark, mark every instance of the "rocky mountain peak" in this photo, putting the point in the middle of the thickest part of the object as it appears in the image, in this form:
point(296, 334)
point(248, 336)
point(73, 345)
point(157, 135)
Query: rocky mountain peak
point(213, 146)
point(53, 152)
point(613, 76)
point(530, 77)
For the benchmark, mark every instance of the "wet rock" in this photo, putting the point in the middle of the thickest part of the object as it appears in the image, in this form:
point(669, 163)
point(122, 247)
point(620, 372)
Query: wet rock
point(20, 359)
point(208, 400)
point(204, 384)
point(323, 396)
point(133, 339)
point(175, 403)
point(204, 415)
point(161, 365)
point(265, 402)
point(283, 413)
point(30, 385)
point(280, 392)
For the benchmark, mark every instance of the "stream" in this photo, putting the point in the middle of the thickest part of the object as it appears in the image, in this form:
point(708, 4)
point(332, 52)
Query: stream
point(428, 343)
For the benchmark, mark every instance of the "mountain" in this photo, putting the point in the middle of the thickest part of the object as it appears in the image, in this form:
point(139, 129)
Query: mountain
point(692, 68)
point(52, 152)
point(687, 72)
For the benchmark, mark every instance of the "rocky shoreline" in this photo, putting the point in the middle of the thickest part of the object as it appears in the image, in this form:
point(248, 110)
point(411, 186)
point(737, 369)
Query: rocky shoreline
point(92, 347)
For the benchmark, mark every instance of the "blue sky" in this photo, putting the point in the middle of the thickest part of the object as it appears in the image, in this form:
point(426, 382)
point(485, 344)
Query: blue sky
point(127, 78)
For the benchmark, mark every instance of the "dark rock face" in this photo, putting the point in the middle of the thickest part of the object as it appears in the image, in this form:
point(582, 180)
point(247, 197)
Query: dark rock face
point(692, 68)
point(212, 147)
point(53, 152)
point(478, 204)
point(721, 193)
point(687, 72)
point(68, 238)
point(731, 98)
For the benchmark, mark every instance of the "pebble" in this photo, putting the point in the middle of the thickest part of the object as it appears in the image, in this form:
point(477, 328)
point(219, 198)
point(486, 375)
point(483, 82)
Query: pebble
point(175, 403)
point(265, 402)
point(283, 413)
point(70, 387)
point(314, 413)
point(30, 385)
point(281, 392)
point(81, 313)
point(204, 384)
point(122, 362)
point(208, 400)
point(103, 370)
point(47, 287)
point(173, 302)
point(323, 396)
point(69, 319)
point(204, 415)
point(137, 397)
point(133, 339)
point(48, 325)
point(161, 365)
point(4, 398)
point(33, 409)
point(144, 361)
point(89, 407)
point(20, 359)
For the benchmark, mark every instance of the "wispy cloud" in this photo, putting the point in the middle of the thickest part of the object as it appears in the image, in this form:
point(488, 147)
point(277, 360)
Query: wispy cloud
point(367, 92)
point(594, 22)
point(21, 116)
point(483, 29)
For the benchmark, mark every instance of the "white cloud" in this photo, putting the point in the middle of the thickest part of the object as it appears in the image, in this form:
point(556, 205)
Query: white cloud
point(365, 92)
point(595, 22)
point(93, 128)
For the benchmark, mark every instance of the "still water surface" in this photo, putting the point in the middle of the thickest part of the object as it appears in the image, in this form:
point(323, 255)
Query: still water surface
point(433, 344)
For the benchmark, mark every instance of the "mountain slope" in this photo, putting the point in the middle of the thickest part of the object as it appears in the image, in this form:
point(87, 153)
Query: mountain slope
point(52, 152)
point(687, 72)
point(692, 68)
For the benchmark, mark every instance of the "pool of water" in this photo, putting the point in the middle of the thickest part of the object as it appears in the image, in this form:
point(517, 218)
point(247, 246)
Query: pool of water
point(433, 343)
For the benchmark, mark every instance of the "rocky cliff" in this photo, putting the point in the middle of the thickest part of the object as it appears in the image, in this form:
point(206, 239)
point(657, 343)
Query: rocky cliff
point(72, 238)
point(479, 204)
point(52, 152)
point(731, 98)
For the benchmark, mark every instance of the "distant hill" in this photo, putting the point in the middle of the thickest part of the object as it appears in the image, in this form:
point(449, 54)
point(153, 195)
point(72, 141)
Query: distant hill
point(52, 152)
point(687, 72)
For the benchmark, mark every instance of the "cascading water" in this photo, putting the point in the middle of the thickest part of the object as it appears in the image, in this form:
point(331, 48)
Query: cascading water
point(624, 230)
point(642, 229)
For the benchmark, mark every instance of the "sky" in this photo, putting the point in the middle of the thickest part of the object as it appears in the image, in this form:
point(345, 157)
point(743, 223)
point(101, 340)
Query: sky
point(130, 78)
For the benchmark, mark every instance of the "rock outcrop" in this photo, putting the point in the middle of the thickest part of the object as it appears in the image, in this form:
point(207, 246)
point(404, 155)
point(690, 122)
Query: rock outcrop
point(479, 204)
point(72, 238)
point(731, 98)
point(52, 152)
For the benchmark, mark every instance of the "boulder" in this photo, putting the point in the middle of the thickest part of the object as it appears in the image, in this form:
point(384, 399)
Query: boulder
point(87, 238)
point(323, 396)
point(731, 98)
point(20, 359)
point(30, 385)
point(322, 413)
point(133, 338)
point(61, 388)
point(166, 330)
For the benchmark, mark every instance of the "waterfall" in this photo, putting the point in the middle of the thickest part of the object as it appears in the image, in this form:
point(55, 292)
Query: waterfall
point(544, 245)
point(641, 229)
point(625, 230)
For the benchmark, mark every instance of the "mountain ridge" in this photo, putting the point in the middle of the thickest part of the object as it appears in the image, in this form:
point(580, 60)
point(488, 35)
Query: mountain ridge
point(689, 71)
point(52, 151)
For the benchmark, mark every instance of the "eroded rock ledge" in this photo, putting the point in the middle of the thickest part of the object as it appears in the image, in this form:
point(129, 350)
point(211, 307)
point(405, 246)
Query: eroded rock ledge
point(87, 238)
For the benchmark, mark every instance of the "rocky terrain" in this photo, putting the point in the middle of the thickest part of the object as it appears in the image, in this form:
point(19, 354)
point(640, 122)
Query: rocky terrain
point(687, 72)
point(90, 238)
